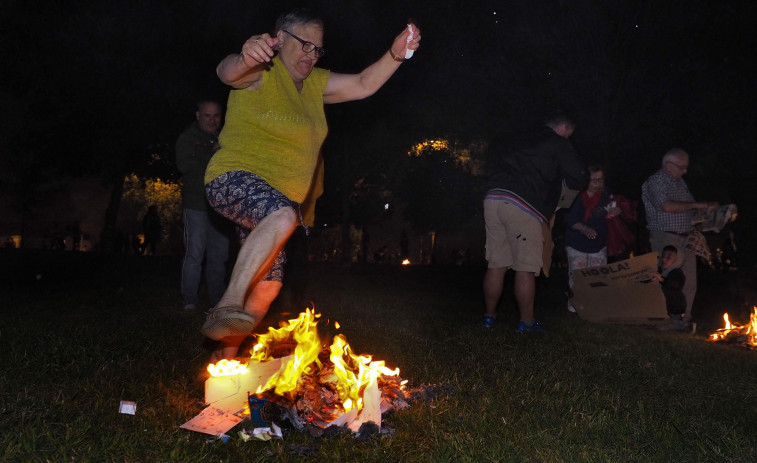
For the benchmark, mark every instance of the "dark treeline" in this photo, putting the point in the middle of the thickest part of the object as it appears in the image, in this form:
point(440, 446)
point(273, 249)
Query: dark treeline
point(93, 87)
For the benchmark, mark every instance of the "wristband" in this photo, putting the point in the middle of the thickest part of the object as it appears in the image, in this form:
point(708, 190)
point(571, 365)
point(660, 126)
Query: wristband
point(395, 57)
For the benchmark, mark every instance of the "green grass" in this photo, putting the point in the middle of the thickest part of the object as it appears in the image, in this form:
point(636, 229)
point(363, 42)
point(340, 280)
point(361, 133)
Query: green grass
point(96, 330)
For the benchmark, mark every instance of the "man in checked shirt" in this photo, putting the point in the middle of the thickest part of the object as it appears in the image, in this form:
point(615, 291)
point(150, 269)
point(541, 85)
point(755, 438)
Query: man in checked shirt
point(670, 207)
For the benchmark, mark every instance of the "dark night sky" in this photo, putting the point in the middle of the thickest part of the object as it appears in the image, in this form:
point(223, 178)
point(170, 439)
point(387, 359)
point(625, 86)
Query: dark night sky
point(83, 78)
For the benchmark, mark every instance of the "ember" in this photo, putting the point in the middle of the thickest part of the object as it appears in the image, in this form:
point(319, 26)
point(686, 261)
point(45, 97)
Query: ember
point(320, 384)
point(744, 334)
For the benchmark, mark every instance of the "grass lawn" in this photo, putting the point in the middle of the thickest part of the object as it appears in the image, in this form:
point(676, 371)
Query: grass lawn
point(93, 330)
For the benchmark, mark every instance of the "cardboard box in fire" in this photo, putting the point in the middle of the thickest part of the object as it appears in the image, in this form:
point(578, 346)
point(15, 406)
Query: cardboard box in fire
point(621, 292)
point(227, 396)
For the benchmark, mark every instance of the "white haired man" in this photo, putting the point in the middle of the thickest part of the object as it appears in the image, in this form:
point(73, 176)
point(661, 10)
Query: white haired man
point(670, 208)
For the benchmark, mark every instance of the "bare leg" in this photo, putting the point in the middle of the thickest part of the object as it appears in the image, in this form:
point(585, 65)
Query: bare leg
point(256, 257)
point(525, 295)
point(261, 298)
point(257, 305)
point(230, 317)
point(228, 349)
point(494, 281)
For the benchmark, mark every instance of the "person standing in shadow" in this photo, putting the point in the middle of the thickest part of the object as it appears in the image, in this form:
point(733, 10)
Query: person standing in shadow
point(205, 236)
point(151, 228)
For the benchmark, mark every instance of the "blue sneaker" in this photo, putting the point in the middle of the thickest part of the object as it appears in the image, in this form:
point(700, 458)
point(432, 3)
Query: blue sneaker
point(535, 328)
point(489, 321)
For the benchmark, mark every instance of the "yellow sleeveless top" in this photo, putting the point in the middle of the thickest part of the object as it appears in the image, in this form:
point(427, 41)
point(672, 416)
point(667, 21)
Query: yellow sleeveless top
point(274, 132)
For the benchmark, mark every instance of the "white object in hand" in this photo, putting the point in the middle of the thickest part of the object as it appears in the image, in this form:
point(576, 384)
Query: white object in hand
point(409, 52)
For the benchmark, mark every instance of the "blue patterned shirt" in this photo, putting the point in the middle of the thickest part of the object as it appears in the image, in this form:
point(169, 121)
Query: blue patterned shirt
point(661, 187)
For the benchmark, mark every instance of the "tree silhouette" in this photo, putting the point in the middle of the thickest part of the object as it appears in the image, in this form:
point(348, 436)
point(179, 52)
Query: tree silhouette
point(438, 189)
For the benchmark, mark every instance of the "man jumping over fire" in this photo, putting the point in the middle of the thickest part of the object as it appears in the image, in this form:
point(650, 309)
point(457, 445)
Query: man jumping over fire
point(270, 145)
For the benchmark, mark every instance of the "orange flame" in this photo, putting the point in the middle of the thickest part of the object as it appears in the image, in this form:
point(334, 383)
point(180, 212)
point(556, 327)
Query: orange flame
point(303, 331)
point(227, 368)
point(352, 372)
point(730, 330)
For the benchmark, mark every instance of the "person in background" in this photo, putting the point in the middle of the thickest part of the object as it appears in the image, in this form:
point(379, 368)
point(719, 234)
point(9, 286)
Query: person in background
point(270, 146)
point(151, 228)
point(670, 208)
point(672, 280)
point(586, 226)
point(205, 234)
point(523, 194)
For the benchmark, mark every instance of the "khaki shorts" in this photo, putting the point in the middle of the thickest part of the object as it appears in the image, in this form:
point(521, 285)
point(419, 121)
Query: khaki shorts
point(514, 238)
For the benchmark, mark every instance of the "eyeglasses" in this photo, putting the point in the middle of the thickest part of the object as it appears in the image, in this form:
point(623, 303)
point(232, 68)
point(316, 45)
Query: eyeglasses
point(597, 180)
point(684, 168)
point(307, 47)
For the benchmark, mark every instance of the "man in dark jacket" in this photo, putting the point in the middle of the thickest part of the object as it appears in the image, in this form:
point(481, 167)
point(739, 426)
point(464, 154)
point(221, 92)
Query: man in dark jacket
point(204, 234)
point(523, 193)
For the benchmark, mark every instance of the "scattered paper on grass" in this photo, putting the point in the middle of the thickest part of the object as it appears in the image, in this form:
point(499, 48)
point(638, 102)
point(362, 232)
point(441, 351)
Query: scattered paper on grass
point(213, 421)
point(264, 434)
point(267, 433)
point(371, 407)
point(127, 407)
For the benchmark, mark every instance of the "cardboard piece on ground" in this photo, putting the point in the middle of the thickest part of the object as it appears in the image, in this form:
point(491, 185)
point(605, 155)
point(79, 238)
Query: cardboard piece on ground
point(621, 292)
point(213, 421)
point(227, 395)
point(230, 392)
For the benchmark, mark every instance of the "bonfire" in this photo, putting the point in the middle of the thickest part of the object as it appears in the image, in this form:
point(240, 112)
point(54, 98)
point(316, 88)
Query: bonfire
point(743, 334)
point(311, 382)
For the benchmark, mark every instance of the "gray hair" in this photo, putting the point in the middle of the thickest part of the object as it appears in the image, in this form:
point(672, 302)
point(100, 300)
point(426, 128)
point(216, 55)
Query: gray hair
point(295, 17)
point(674, 153)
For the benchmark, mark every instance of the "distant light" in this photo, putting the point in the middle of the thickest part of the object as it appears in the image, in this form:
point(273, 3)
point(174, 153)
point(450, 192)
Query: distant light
point(495, 12)
point(434, 145)
point(406, 262)
point(386, 206)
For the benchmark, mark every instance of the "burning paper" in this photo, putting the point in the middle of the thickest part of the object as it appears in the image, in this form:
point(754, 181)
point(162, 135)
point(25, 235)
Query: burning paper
point(231, 382)
point(320, 384)
point(306, 381)
point(745, 334)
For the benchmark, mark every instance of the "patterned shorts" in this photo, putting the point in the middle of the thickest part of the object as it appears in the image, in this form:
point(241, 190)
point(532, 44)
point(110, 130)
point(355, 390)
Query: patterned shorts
point(245, 199)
